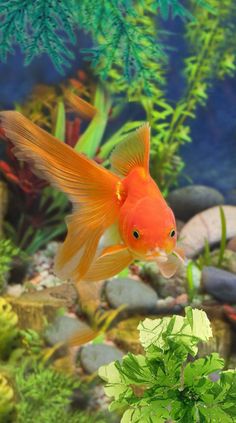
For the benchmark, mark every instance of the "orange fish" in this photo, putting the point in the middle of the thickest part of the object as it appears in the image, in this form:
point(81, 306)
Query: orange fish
point(119, 215)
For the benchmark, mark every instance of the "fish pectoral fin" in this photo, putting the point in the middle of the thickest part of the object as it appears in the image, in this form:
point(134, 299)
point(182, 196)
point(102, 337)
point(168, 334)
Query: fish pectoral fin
point(132, 152)
point(112, 260)
point(168, 268)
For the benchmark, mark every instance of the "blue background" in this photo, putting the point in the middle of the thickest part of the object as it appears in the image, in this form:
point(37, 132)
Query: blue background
point(211, 157)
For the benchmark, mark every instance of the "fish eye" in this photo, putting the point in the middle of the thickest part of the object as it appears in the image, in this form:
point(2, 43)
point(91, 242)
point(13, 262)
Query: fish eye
point(172, 233)
point(136, 234)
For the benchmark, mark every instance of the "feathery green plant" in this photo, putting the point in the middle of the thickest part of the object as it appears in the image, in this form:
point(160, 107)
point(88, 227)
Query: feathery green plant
point(44, 394)
point(208, 37)
point(211, 55)
point(38, 27)
point(49, 26)
point(168, 383)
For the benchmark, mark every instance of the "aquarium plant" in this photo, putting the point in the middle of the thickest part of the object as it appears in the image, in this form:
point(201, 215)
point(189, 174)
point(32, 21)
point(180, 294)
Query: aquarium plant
point(33, 385)
point(8, 328)
point(51, 27)
point(7, 252)
point(168, 382)
point(6, 399)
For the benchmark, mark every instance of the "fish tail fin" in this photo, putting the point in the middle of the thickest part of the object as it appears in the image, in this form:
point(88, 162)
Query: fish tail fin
point(91, 188)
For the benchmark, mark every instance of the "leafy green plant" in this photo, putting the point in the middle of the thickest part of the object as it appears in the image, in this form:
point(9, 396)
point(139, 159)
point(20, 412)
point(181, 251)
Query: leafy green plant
point(6, 400)
point(40, 223)
point(168, 383)
point(7, 252)
point(8, 328)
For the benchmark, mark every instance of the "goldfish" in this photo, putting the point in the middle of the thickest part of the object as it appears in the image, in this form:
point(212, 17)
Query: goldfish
point(119, 214)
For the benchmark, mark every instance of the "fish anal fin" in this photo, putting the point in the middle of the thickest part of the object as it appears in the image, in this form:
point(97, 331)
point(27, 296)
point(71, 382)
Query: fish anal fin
point(132, 152)
point(112, 260)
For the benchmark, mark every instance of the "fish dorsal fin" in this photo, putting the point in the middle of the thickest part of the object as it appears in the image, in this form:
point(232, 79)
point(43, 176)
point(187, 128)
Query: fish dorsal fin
point(132, 152)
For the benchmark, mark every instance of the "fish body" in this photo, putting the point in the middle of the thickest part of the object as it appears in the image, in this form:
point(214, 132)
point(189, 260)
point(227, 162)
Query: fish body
point(118, 215)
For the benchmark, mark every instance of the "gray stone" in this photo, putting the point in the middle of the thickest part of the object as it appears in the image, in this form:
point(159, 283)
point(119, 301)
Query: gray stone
point(206, 226)
point(220, 284)
point(188, 201)
point(64, 328)
point(130, 292)
point(94, 356)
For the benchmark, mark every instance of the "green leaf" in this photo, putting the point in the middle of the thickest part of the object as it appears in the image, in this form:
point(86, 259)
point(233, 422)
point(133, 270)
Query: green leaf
point(59, 132)
point(187, 331)
point(193, 279)
point(194, 371)
point(223, 236)
point(90, 140)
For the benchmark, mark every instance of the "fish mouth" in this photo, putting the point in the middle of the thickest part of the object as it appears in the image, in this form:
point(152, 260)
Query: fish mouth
point(157, 254)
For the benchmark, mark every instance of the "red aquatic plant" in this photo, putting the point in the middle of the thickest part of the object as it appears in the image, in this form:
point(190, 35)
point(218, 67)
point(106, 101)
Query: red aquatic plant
point(20, 174)
point(73, 128)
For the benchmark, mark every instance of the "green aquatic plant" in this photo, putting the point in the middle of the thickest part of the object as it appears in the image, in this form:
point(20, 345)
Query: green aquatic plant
point(7, 252)
point(223, 237)
point(37, 222)
point(193, 276)
point(43, 393)
point(8, 328)
point(206, 258)
point(211, 54)
point(49, 26)
point(168, 382)
point(6, 400)
point(208, 37)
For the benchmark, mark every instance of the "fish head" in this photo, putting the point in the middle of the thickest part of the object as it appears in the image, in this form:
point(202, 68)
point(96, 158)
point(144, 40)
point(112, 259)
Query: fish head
point(149, 231)
point(148, 228)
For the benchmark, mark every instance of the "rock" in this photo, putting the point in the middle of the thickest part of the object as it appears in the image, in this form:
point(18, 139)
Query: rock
point(188, 201)
point(94, 356)
point(207, 226)
point(232, 244)
point(220, 284)
point(221, 341)
point(179, 225)
point(33, 308)
point(90, 296)
point(63, 328)
point(15, 290)
point(228, 262)
point(137, 296)
point(41, 270)
point(173, 287)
